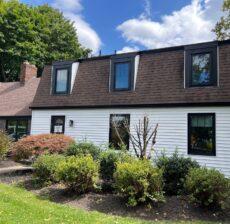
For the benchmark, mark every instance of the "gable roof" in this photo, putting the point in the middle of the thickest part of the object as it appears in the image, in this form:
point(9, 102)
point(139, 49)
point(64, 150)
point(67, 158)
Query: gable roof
point(160, 82)
point(15, 98)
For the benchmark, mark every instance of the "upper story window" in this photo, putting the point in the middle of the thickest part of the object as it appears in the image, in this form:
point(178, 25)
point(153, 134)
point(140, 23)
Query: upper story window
point(201, 65)
point(201, 134)
point(122, 73)
point(61, 78)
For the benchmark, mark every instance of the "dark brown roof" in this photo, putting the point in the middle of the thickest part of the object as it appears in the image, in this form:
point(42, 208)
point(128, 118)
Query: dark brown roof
point(15, 98)
point(160, 81)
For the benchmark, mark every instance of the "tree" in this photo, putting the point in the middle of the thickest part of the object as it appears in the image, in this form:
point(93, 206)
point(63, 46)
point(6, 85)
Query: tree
point(38, 34)
point(222, 28)
point(142, 138)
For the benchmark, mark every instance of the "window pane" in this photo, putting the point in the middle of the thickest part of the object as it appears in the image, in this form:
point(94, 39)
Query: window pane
point(12, 128)
point(22, 128)
point(202, 134)
point(119, 121)
point(201, 72)
point(122, 75)
point(62, 80)
point(57, 124)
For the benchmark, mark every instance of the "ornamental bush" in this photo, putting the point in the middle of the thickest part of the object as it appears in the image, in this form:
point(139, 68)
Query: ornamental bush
point(84, 148)
point(138, 181)
point(79, 174)
point(35, 145)
point(4, 144)
point(175, 169)
point(45, 167)
point(108, 160)
point(208, 187)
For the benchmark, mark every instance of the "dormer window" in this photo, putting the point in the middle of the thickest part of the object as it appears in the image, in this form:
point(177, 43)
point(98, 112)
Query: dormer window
point(122, 73)
point(61, 78)
point(201, 65)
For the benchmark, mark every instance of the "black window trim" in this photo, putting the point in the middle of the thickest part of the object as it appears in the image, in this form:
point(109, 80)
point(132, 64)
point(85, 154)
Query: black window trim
point(52, 123)
point(123, 59)
point(201, 49)
point(17, 118)
point(197, 152)
point(56, 68)
point(110, 128)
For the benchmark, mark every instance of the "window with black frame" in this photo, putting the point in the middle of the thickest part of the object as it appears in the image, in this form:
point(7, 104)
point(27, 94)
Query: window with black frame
point(118, 130)
point(201, 134)
point(201, 66)
point(57, 125)
point(17, 128)
point(122, 73)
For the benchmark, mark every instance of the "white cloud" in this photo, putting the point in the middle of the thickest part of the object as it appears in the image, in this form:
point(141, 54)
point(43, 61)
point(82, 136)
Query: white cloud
point(86, 34)
point(127, 49)
point(191, 24)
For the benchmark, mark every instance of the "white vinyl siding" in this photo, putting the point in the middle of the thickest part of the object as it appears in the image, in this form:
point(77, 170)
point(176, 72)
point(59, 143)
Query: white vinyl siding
point(93, 125)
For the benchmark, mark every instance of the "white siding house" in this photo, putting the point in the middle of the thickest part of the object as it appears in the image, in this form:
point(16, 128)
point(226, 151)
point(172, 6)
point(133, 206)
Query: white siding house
point(93, 125)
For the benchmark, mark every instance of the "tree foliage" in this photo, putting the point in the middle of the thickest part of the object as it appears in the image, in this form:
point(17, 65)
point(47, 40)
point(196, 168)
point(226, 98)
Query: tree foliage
point(222, 28)
point(38, 34)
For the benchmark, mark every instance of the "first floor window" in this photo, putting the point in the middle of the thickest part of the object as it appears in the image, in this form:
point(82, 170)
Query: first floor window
point(118, 130)
point(58, 124)
point(17, 128)
point(201, 134)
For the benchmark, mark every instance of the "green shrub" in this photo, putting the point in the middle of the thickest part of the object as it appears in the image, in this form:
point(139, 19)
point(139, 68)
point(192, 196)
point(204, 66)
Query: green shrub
point(108, 160)
point(79, 174)
point(4, 144)
point(35, 145)
point(45, 167)
point(139, 181)
point(175, 169)
point(84, 148)
point(208, 187)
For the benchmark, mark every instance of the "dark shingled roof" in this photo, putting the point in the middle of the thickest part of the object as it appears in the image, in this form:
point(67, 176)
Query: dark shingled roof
point(160, 82)
point(15, 98)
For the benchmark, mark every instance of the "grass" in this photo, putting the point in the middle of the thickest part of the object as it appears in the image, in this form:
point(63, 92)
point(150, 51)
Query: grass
point(22, 207)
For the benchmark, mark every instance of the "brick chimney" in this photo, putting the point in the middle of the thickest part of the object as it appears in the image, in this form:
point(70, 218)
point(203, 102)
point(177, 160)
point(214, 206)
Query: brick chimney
point(27, 72)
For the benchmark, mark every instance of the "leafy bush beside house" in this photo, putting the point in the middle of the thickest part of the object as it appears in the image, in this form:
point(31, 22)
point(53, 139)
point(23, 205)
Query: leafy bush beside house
point(108, 161)
point(139, 181)
point(208, 187)
point(4, 144)
point(175, 169)
point(45, 167)
point(35, 145)
point(79, 174)
point(84, 148)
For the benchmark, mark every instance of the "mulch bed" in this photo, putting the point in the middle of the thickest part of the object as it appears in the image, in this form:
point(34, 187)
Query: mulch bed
point(175, 208)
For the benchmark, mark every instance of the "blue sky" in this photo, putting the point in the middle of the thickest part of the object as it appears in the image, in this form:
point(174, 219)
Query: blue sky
point(127, 25)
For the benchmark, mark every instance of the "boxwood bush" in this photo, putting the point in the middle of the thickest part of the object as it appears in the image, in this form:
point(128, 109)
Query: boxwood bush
point(139, 182)
point(208, 187)
point(4, 144)
point(79, 174)
point(175, 169)
point(35, 145)
point(84, 148)
point(108, 161)
point(45, 167)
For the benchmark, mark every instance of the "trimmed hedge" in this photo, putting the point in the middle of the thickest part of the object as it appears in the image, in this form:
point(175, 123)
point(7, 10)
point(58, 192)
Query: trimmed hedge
point(45, 167)
point(139, 182)
point(208, 187)
point(79, 174)
point(83, 148)
point(35, 145)
point(175, 169)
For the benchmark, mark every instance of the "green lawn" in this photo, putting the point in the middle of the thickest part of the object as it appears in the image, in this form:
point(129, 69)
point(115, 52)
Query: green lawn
point(20, 206)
